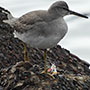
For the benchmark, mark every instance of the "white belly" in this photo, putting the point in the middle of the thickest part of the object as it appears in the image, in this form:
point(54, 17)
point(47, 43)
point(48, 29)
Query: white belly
point(56, 32)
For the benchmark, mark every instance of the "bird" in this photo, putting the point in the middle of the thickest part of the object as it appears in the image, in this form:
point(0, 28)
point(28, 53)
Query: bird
point(42, 29)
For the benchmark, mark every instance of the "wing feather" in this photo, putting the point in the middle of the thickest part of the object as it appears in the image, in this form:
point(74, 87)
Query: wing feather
point(29, 21)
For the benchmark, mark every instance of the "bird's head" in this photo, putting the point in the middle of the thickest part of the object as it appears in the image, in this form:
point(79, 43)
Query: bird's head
point(60, 8)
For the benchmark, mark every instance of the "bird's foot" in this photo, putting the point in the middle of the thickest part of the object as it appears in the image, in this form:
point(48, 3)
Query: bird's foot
point(49, 74)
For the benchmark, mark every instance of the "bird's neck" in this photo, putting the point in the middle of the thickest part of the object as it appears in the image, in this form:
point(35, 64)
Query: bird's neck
point(53, 14)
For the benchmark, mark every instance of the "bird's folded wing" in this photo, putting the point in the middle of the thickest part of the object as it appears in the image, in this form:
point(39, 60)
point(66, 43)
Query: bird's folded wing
point(29, 21)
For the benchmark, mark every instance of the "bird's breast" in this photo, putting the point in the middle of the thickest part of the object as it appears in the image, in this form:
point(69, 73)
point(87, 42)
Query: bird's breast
point(58, 28)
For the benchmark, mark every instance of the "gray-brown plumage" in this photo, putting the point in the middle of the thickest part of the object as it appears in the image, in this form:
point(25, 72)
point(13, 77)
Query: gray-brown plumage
point(43, 28)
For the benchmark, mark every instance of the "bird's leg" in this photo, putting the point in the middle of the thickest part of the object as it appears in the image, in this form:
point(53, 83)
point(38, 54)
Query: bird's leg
point(26, 58)
point(45, 66)
point(45, 60)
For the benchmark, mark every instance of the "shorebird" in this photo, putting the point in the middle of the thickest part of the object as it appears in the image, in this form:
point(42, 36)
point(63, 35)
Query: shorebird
point(42, 28)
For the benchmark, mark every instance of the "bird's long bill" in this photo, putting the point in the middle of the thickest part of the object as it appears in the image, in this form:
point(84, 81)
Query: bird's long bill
point(78, 14)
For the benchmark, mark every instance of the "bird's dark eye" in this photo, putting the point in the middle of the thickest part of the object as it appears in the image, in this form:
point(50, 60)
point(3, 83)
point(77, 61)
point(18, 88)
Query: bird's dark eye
point(65, 8)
